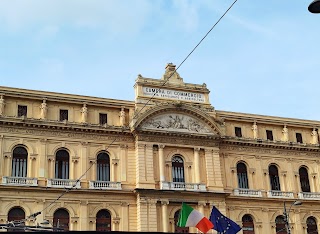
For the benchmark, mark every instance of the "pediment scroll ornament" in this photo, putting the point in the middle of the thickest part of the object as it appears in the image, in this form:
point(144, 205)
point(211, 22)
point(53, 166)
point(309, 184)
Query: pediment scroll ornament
point(177, 122)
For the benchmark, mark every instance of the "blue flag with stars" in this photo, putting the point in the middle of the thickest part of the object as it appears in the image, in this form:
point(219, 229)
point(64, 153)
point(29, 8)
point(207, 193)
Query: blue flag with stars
point(222, 224)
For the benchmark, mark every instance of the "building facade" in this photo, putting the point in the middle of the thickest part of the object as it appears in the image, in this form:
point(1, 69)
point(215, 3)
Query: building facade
point(90, 163)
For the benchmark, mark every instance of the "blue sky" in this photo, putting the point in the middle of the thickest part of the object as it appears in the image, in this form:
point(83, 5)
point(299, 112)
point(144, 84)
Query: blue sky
point(262, 58)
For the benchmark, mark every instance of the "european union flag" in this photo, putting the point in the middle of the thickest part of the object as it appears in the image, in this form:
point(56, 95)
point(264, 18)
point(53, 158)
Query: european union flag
point(222, 224)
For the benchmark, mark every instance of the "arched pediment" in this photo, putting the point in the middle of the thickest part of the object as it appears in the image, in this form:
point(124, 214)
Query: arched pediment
point(177, 118)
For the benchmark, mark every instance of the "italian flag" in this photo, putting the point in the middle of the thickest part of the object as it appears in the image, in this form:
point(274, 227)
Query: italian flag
point(190, 217)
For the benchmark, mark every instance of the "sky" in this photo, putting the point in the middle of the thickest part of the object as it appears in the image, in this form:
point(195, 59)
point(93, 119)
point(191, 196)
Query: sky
point(262, 58)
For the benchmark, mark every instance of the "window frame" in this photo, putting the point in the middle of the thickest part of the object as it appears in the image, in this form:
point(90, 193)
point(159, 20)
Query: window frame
point(269, 134)
point(19, 110)
point(101, 122)
point(61, 118)
point(238, 131)
point(299, 137)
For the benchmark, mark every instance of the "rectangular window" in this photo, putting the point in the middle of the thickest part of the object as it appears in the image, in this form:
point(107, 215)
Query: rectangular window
point(22, 111)
point(103, 119)
point(299, 137)
point(269, 135)
point(238, 132)
point(63, 115)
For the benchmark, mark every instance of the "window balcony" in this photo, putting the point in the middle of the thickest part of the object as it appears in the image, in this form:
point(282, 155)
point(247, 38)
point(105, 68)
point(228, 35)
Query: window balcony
point(105, 185)
point(63, 183)
point(280, 194)
point(19, 181)
point(309, 196)
point(247, 192)
point(182, 186)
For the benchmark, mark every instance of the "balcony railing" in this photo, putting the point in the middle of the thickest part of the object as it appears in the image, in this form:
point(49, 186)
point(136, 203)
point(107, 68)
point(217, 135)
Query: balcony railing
point(19, 181)
point(280, 194)
point(247, 192)
point(108, 185)
point(182, 186)
point(309, 196)
point(63, 183)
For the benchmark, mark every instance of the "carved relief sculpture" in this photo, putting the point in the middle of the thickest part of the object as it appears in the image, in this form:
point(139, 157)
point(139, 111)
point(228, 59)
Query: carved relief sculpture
point(255, 130)
point(43, 109)
point(2, 103)
point(122, 117)
point(176, 122)
point(314, 135)
point(285, 134)
point(84, 113)
point(171, 74)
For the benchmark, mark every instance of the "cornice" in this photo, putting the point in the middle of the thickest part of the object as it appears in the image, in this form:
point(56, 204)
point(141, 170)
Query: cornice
point(267, 146)
point(245, 117)
point(158, 83)
point(62, 130)
point(62, 97)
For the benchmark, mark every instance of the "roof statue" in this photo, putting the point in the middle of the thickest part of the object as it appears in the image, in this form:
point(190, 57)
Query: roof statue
point(171, 75)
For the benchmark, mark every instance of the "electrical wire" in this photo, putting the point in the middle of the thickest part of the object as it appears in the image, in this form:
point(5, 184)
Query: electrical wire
point(136, 114)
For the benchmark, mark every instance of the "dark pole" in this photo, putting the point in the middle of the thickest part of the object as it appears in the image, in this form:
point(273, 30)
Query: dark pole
point(314, 7)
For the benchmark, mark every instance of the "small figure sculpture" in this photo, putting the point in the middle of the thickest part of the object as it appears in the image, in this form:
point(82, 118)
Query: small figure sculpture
point(2, 103)
point(314, 135)
point(255, 130)
point(122, 117)
point(84, 112)
point(285, 134)
point(43, 109)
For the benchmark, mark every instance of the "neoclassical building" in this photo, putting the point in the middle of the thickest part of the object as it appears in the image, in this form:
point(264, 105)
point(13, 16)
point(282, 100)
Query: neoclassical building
point(89, 163)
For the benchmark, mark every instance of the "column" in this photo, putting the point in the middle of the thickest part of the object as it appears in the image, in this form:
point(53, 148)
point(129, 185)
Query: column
point(2, 156)
point(125, 216)
point(146, 214)
point(161, 165)
point(209, 168)
point(115, 224)
point(43, 166)
point(114, 170)
point(123, 162)
point(201, 206)
point(312, 183)
point(251, 176)
point(84, 159)
point(144, 166)
point(165, 218)
point(283, 184)
point(84, 221)
point(217, 168)
point(93, 165)
point(197, 179)
point(73, 171)
point(29, 165)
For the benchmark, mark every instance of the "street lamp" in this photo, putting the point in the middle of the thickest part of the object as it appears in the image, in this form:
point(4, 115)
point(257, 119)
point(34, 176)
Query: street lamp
point(286, 214)
point(314, 7)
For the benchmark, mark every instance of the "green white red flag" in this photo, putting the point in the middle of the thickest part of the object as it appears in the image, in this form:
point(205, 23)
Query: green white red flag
point(190, 217)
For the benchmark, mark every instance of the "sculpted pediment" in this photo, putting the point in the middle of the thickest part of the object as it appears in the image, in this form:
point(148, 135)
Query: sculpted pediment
point(177, 123)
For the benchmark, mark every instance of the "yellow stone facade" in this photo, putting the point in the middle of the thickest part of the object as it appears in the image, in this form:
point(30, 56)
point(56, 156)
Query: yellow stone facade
point(168, 118)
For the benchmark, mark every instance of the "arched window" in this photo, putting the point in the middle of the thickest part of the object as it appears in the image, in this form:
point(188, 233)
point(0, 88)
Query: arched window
point(16, 214)
point(312, 226)
point(19, 162)
point(103, 221)
point(176, 220)
point(61, 219)
point(304, 179)
point(62, 164)
point(103, 167)
point(242, 175)
point(247, 224)
point(177, 169)
point(280, 225)
point(274, 178)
